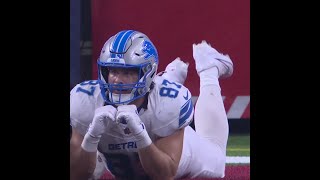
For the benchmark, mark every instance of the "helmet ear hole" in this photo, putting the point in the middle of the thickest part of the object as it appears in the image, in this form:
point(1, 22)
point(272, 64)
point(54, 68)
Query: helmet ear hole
point(146, 68)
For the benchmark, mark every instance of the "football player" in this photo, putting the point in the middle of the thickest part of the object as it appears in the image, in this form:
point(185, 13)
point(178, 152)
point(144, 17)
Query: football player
point(139, 121)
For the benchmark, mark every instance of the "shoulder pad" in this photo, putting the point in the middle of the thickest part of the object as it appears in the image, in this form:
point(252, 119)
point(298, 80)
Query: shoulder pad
point(84, 99)
point(172, 106)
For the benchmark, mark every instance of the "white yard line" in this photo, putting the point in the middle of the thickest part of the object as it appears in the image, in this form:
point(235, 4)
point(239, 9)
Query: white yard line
point(238, 159)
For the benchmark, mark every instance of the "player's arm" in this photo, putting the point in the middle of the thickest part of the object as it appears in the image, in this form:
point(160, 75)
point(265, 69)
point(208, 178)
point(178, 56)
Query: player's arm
point(83, 149)
point(89, 123)
point(160, 160)
point(82, 163)
point(165, 153)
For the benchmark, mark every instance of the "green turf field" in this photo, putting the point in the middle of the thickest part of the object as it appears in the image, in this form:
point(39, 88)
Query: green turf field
point(238, 145)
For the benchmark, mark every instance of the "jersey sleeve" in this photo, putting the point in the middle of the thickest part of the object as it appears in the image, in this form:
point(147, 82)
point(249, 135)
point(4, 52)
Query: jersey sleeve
point(83, 102)
point(173, 108)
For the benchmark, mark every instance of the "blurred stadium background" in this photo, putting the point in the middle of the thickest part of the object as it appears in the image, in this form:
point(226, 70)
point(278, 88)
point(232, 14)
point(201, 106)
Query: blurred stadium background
point(173, 26)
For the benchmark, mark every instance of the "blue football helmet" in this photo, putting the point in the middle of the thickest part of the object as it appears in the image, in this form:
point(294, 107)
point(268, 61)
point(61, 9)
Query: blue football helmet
point(127, 49)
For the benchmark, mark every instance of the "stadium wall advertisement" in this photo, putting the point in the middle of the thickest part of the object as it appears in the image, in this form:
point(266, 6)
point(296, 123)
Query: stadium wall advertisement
point(174, 26)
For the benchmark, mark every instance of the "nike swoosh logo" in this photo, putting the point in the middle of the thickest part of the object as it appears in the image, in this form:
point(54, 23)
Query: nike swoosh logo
point(186, 97)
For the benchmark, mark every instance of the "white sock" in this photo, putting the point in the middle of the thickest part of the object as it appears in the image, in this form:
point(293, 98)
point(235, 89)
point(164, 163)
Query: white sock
point(209, 77)
point(210, 116)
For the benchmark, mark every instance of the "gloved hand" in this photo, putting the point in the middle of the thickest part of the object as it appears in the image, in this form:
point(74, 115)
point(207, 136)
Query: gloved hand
point(127, 117)
point(102, 117)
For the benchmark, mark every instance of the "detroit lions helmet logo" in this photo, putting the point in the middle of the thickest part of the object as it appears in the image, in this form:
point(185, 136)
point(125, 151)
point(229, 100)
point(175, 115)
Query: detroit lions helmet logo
point(150, 51)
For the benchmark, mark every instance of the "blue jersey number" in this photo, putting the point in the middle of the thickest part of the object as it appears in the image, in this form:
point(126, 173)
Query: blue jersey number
point(168, 91)
point(89, 92)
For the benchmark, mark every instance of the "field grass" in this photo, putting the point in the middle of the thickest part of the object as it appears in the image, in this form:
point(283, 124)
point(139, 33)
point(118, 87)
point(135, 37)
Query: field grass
point(238, 145)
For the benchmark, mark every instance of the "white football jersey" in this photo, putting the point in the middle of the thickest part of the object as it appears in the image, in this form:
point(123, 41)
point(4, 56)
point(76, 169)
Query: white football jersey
point(169, 108)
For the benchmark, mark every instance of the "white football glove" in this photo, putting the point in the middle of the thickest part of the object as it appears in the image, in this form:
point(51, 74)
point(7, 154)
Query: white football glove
point(127, 117)
point(102, 117)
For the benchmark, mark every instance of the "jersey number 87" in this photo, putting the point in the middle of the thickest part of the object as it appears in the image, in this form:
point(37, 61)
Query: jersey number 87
point(169, 89)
